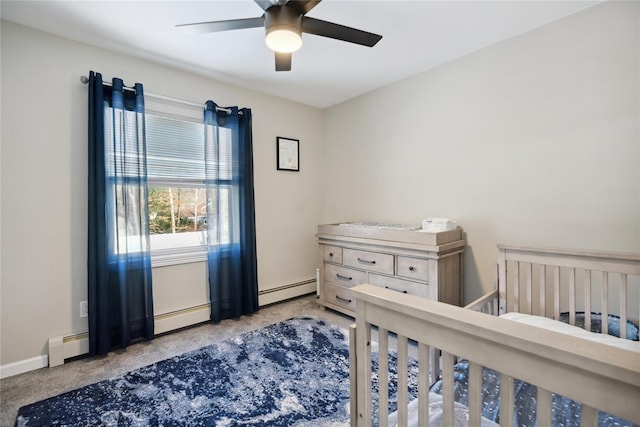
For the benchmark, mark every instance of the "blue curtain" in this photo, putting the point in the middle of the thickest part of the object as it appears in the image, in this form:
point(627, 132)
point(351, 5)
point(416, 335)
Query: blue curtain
point(119, 261)
point(231, 237)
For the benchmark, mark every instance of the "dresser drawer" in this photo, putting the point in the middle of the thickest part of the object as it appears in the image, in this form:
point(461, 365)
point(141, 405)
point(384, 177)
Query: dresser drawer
point(405, 286)
point(337, 295)
point(344, 276)
point(372, 261)
point(332, 254)
point(413, 268)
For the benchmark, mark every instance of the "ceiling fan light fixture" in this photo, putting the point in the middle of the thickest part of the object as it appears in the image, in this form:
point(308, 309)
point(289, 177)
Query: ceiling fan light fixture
point(283, 39)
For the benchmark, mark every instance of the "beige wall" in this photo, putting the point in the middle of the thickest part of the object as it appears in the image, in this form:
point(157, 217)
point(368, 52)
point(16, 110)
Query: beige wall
point(44, 179)
point(534, 140)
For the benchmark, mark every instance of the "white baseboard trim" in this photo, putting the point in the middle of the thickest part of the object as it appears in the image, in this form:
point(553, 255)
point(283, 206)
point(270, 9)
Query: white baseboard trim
point(22, 366)
point(68, 346)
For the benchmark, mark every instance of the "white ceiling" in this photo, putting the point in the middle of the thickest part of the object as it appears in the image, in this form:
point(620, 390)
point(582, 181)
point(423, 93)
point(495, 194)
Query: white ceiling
point(417, 36)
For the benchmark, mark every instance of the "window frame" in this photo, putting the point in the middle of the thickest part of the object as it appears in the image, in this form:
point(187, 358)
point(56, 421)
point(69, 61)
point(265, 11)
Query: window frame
point(181, 111)
point(184, 111)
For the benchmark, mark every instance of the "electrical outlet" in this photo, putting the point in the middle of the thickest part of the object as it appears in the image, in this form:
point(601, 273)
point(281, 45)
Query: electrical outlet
point(84, 308)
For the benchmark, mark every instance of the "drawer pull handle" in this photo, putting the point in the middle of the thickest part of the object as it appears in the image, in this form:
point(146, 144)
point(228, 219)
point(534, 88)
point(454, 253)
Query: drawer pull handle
point(411, 268)
point(340, 276)
point(397, 290)
point(331, 254)
point(339, 298)
point(366, 261)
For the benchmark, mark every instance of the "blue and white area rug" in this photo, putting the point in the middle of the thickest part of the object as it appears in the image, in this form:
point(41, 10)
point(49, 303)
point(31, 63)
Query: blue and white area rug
point(294, 373)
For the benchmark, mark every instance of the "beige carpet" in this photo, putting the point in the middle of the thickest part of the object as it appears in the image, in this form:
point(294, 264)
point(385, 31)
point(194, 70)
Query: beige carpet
point(43, 383)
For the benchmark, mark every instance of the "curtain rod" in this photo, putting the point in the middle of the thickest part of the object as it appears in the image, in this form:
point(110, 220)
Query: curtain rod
point(85, 80)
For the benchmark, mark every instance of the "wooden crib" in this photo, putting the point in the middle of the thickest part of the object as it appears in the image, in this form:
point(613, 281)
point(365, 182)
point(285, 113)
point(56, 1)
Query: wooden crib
point(545, 282)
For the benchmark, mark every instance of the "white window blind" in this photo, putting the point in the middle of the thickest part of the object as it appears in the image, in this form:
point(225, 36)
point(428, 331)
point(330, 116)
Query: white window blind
point(175, 150)
point(175, 142)
point(175, 145)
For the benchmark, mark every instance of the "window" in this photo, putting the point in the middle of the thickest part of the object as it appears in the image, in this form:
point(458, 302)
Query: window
point(176, 174)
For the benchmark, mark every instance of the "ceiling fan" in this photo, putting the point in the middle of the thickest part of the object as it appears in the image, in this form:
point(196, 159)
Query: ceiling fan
point(284, 22)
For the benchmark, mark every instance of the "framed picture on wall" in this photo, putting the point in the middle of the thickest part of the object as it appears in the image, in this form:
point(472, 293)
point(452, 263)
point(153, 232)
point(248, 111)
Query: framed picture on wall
point(288, 154)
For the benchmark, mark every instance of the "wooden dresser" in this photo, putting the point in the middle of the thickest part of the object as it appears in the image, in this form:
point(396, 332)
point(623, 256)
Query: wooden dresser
point(413, 262)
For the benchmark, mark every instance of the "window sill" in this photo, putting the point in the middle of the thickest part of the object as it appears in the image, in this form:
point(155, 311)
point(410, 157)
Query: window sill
point(165, 258)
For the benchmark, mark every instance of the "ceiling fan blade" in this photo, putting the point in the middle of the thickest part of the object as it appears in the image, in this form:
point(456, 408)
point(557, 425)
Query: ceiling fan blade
point(283, 61)
point(338, 32)
point(302, 6)
point(215, 26)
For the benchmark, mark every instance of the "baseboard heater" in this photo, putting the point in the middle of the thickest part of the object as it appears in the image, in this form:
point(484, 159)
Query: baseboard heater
point(68, 346)
point(285, 292)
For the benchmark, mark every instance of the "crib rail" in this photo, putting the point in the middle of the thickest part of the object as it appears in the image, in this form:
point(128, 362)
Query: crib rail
point(586, 372)
point(550, 281)
point(488, 304)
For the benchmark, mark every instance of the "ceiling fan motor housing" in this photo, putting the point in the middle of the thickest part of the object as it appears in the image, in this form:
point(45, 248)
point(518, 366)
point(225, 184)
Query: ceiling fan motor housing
point(282, 18)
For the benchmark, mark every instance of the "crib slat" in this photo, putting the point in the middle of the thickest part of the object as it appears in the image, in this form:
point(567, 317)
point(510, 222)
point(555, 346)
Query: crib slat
point(543, 410)
point(383, 377)
point(587, 299)
point(543, 290)
point(495, 304)
point(623, 305)
point(403, 385)
point(572, 297)
point(516, 287)
point(475, 394)
point(423, 384)
point(434, 371)
point(605, 302)
point(556, 292)
point(502, 281)
point(588, 416)
point(353, 374)
point(447, 389)
point(529, 278)
point(506, 400)
point(363, 358)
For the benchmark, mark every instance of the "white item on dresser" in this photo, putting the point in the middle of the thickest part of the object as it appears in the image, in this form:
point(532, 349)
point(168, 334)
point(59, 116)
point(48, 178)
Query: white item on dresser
point(434, 225)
